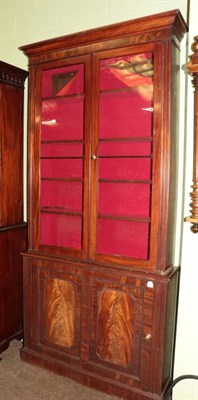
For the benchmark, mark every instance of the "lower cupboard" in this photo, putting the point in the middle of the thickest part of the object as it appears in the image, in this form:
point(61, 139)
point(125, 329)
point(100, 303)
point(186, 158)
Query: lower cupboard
point(104, 329)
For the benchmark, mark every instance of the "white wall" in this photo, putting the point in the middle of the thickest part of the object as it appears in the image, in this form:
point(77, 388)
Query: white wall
point(187, 329)
point(23, 22)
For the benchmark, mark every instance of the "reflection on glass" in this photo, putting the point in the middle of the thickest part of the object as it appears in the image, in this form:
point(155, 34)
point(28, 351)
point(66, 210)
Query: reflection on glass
point(132, 71)
point(63, 81)
point(62, 118)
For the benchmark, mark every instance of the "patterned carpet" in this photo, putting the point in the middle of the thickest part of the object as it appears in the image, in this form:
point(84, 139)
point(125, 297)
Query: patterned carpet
point(21, 381)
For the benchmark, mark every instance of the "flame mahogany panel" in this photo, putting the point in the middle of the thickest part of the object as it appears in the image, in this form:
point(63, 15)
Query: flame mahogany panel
point(61, 308)
point(59, 312)
point(115, 327)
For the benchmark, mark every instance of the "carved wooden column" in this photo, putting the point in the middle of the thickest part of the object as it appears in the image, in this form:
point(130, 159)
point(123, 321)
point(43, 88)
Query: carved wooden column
point(192, 68)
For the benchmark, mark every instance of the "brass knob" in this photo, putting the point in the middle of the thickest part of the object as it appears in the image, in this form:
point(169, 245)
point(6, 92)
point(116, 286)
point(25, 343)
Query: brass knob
point(148, 337)
point(94, 157)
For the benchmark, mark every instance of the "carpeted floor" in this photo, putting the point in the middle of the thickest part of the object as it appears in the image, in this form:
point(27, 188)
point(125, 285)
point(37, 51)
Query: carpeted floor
point(21, 381)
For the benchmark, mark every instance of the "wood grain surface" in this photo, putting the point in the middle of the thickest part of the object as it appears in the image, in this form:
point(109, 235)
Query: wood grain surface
point(60, 312)
point(115, 327)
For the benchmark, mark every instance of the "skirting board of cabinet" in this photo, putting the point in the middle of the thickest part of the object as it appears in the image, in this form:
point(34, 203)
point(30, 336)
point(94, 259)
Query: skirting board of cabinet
point(86, 377)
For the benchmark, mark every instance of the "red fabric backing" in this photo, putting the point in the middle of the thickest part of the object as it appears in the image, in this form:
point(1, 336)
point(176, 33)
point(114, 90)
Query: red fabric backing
point(125, 238)
point(124, 168)
point(61, 230)
point(66, 195)
point(127, 148)
point(62, 168)
point(62, 119)
point(62, 150)
point(124, 199)
point(122, 115)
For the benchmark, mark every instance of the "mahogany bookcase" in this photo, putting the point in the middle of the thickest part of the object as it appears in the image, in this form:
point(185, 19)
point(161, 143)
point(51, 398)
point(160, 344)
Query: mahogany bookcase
point(100, 285)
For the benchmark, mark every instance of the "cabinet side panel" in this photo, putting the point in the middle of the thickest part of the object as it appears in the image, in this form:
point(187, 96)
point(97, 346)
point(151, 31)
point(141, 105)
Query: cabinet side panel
point(12, 152)
point(170, 324)
point(12, 242)
point(174, 148)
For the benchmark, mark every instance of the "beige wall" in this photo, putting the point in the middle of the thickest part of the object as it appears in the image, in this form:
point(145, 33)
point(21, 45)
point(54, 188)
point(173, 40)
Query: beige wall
point(23, 22)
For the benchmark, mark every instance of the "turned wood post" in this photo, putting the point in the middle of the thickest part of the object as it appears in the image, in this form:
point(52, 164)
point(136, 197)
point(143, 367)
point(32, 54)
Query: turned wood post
point(192, 68)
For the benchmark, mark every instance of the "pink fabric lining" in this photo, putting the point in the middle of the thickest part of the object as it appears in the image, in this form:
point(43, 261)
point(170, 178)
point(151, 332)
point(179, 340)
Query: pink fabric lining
point(124, 238)
point(62, 150)
point(124, 114)
point(61, 230)
point(127, 168)
point(62, 168)
point(62, 119)
point(65, 195)
point(124, 199)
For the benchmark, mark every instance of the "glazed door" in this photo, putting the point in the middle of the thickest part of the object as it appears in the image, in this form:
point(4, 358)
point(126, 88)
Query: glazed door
point(95, 191)
point(63, 134)
point(122, 155)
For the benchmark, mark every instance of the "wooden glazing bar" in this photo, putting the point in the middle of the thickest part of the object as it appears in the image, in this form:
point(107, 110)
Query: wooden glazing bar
point(124, 218)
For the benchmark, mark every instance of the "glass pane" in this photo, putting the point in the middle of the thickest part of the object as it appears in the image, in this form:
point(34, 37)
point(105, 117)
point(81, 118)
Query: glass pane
point(62, 150)
point(62, 168)
point(61, 230)
point(125, 168)
point(124, 199)
point(123, 238)
point(62, 118)
point(126, 148)
point(124, 114)
point(65, 196)
point(125, 155)
point(127, 71)
point(62, 154)
point(63, 81)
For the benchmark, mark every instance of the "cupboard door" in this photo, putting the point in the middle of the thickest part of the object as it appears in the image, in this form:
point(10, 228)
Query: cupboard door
point(123, 155)
point(121, 328)
point(64, 156)
point(57, 312)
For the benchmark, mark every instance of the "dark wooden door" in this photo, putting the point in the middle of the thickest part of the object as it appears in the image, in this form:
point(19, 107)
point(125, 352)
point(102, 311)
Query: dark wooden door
point(11, 188)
